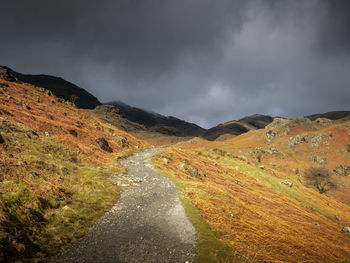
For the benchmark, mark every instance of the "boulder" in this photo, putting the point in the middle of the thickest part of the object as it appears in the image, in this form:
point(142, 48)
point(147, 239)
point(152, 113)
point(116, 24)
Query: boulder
point(102, 142)
point(295, 171)
point(123, 140)
point(47, 134)
point(346, 229)
point(194, 172)
point(288, 183)
point(182, 166)
point(73, 132)
point(341, 170)
point(262, 167)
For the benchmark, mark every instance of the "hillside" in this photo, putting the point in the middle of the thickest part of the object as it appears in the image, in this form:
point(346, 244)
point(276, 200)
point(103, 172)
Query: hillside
point(58, 86)
point(243, 125)
point(332, 115)
point(251, 189)
point(54, 171)
point(157, 123)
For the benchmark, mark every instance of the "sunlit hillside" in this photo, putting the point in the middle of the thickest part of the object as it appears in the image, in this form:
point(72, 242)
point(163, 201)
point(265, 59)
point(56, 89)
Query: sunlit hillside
point(252, 191)
point(55, 161)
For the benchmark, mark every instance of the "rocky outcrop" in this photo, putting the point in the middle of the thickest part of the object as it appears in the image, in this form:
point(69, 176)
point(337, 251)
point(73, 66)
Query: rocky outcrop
point(318, 159)
point(341, 170)
point(194, 172)
point(298, 139)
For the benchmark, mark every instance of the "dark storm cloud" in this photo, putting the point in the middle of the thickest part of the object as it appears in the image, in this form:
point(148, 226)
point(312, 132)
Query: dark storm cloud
point(201, 60)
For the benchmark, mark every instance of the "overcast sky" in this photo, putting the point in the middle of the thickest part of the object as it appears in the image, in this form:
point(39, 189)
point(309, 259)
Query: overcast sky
point(204, 61)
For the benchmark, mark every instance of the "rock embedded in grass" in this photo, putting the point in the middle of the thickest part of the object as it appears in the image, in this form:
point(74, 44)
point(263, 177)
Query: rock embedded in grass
point(288, 183)
point(341, 170)
point(194, 172)
point(73, 132)
point(102, 142)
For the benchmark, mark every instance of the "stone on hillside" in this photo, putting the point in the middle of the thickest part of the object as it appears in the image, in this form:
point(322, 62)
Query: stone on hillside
point(243, 158)
point(123, 140)
point(341, 170)
point(298, 139)
point(165, 160)
point(218, 151)
point(194, 172)
point(295, 171)
point(338, 218)
point(1, 139)
point(346, 229)
point(288, 183)
point(262, 167)
point(47, 134)
point(348, 147)
point(73, 132)
point(318, 159)
point(182, 166)
point(102, 142)
point(48, 92)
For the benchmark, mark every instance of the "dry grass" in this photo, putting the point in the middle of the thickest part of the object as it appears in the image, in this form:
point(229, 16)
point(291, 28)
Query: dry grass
point(252, 211)
point(52, 188)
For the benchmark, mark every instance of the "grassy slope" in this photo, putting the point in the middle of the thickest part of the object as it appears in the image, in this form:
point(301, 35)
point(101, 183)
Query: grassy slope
point(249, 208)
point(52, 188)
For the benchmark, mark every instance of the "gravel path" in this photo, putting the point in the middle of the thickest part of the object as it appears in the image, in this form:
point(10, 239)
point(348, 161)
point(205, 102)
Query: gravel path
point(147, 224)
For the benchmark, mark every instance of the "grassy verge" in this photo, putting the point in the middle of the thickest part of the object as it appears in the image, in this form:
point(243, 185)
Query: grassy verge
point(209, 247)
point(49, 197)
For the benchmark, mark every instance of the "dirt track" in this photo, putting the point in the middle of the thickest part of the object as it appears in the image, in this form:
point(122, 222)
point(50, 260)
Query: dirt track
point(147, 224)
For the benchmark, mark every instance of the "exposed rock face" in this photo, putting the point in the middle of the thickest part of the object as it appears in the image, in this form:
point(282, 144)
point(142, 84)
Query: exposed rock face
point(318, 159)
point(298, 139)
point(102, 142)
point(279, 127)
point(342, 170)
point(194, 172)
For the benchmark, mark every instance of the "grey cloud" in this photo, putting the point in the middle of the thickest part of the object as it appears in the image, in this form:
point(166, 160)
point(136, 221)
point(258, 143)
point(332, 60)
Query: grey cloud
point(200, 60)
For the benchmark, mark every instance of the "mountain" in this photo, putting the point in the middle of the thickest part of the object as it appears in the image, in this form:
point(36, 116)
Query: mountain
point(241, 126)
point(332, 115)
point(58, 86)
point(257, 120)
point(157, 123)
